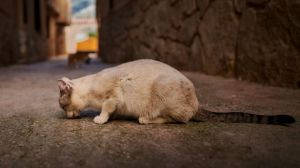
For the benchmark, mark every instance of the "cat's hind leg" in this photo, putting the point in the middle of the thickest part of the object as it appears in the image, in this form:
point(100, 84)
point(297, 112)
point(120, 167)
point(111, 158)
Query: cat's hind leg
point(181, 114)
point(157, 120)
point(108, 107)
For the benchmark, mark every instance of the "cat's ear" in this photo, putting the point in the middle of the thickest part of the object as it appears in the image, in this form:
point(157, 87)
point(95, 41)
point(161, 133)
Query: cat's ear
point(65, 85)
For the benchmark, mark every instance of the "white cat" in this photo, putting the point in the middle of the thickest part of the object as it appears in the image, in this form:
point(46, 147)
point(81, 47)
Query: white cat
point(147, 90)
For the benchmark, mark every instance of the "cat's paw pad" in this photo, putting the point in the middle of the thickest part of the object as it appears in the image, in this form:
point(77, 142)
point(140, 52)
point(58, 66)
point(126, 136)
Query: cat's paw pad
point(99, 120)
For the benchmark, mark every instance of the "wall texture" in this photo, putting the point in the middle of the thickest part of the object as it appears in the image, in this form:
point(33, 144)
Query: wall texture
point(32, 30)
point(8, 33)
point(19, 41)
point(255, 40)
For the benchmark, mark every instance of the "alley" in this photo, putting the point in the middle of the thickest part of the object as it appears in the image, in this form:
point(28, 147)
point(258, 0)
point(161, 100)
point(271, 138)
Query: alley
point(34, 132)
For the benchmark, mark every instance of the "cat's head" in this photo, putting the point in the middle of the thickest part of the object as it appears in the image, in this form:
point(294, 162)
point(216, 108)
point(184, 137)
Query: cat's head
point(66, 88)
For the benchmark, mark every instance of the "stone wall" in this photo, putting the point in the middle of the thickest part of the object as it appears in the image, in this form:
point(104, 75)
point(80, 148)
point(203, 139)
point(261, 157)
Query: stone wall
point(255, 40)
point(19, 41)
point(8, 41)
point(8, 34)
point(32, 30)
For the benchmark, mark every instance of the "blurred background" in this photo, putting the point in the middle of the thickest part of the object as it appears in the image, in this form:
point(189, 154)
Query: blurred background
point(82, 34)
point(36, 30)
point(253, 40)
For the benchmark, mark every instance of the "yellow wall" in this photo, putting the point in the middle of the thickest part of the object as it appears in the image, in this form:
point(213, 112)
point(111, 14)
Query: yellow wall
point(91, 44)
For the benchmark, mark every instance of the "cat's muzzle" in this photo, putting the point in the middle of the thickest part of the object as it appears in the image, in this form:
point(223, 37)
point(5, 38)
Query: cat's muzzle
point(72, 115)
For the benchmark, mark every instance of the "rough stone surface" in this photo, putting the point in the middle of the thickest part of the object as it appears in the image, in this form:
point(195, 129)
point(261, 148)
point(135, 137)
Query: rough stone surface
point(266, 51)
point(256, 40)
point(20, 39)
point(34, 133)
point(9, 41)
point(19, 46)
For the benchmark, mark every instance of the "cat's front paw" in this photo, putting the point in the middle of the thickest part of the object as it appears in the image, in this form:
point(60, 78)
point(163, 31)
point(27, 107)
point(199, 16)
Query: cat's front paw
point(100, 120)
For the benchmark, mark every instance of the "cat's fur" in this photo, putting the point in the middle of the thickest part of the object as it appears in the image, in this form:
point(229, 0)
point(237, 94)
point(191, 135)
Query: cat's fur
point(147, 90)
point(75, 59)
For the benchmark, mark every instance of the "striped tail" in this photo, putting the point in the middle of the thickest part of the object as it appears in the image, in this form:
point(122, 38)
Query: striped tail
point(240, 117)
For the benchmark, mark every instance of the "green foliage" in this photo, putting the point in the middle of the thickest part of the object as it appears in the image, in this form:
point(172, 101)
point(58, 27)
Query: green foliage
point(93, 34)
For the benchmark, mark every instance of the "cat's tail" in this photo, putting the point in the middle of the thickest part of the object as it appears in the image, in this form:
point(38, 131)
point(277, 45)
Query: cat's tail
point(241, 117)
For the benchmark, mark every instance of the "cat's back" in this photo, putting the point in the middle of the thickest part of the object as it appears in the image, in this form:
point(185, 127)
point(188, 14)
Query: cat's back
point(142, 76)
point(148, 68)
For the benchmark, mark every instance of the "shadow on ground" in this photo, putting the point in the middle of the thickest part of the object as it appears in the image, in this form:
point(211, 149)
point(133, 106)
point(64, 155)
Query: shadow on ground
point(34, 132)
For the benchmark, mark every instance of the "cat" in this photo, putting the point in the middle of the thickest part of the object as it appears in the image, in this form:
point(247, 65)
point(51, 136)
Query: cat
point(75, 59)
point(147, 90)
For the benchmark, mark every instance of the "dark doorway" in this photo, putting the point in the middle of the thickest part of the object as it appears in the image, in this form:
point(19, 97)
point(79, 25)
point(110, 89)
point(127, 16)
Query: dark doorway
point(111, 4)
point(37, 15)
point(25, 12)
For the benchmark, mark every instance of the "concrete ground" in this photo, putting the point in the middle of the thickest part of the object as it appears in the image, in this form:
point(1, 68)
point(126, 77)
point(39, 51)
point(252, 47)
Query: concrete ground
point(34, 133)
